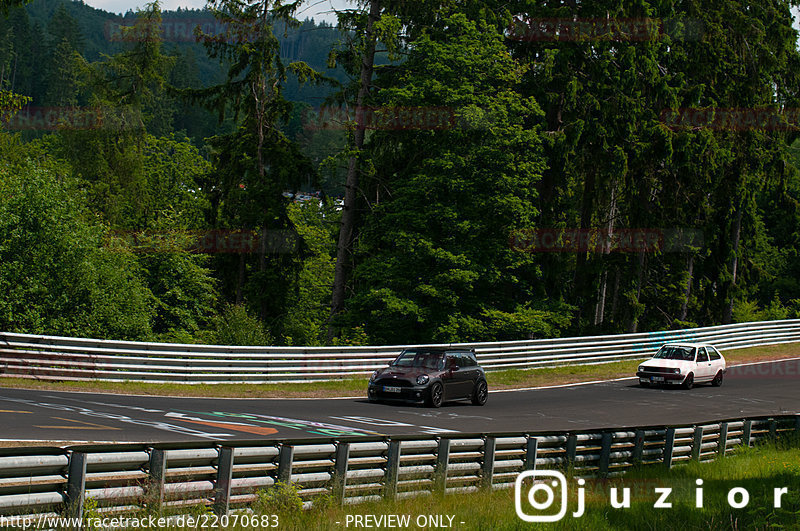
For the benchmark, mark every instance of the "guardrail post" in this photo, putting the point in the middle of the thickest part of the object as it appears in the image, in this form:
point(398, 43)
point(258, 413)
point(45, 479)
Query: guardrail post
point(76, 485)
point(222, 490)
point(605, 453)
point(797, 423)
point(571, 450)
point(773, 429)
point(722, 442)
point(392, 471)
point(697, 444)
point(156, 471)
point(340, 471)
point(531, 450)
point(285, 457)
point(669, 446)
point(442, 461)
point(487, 467)
point(638, 447)
point(747, 430)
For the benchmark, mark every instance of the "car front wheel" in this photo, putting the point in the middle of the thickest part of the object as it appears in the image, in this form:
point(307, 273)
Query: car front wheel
point(717, 381)
point(688, 383)
point(436, 395)
point(480, 394)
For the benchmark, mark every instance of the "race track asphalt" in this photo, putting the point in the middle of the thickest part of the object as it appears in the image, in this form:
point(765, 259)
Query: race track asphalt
point(771, 388)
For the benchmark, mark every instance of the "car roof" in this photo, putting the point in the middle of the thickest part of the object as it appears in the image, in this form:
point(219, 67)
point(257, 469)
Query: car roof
point(690, 345)
point(440, 349)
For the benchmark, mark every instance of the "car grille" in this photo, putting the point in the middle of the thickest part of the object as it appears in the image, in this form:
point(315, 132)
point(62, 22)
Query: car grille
point(658, 370)
point(393, 382)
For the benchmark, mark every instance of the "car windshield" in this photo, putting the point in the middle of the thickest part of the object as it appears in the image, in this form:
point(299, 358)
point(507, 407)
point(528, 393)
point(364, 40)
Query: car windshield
point(675, 353)
point(418, 358)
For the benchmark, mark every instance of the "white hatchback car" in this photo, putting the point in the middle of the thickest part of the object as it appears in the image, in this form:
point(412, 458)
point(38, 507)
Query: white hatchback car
point(683, 364)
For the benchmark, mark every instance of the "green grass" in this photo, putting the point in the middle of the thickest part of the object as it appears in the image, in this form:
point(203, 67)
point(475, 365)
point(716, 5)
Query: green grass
point(758, 470)
point(510, 379)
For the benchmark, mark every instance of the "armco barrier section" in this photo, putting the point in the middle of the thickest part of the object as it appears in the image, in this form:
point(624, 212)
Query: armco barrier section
point(63, 358)
point(174, 478)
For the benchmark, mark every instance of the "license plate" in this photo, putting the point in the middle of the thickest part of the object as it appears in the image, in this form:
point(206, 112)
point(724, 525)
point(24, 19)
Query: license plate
point(391, 389)
point(657, 378)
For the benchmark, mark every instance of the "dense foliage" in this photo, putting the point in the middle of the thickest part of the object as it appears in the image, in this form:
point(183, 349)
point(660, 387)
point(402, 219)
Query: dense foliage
point(144, 170)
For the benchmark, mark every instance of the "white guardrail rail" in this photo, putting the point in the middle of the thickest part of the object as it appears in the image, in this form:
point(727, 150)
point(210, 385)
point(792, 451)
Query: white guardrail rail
point(64, 358)
point(175, 478)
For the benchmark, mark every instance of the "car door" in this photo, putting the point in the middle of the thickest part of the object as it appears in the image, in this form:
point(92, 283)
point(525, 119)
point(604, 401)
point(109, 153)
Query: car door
point(716, 361)
point(450, 376)
point(704, 370)
point(457, 380)
point(470, 371)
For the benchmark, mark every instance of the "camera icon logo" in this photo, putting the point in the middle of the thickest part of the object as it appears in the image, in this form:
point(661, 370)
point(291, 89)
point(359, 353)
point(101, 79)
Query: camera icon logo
point(553, 480)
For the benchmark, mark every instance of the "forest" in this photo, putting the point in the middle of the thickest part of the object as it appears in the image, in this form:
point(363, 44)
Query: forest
point(424, 172)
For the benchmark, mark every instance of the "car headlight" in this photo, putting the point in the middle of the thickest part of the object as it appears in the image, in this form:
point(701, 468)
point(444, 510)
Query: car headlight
point(422, 379)
point(374, 375)
point(676, 370)
point(640, 369)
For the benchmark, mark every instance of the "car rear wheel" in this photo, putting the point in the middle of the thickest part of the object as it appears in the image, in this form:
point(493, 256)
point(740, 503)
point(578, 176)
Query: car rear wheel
point(480, 394)
point(688, 383)
point(717, 381)
point(436, 395)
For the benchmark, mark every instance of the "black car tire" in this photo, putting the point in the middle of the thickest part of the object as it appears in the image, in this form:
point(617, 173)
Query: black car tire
point(480, 394)
point(717, 381)
point(688, 383)
point(436, 395)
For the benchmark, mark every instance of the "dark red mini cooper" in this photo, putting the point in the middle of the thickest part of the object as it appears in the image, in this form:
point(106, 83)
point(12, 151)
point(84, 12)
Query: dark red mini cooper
point(432, 376)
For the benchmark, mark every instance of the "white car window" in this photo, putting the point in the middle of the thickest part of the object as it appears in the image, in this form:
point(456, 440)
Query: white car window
point(702, 356)
point(712, 352)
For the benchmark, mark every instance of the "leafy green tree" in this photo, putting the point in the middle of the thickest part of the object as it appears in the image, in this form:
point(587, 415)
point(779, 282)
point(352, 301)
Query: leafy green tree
point(435, 263)
point(64, 81)
point(257, 162)
point(57, 275)
point(307, 307)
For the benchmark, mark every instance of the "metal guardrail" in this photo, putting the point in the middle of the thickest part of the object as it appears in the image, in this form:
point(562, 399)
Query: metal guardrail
point(171, 478)
point(64, 358)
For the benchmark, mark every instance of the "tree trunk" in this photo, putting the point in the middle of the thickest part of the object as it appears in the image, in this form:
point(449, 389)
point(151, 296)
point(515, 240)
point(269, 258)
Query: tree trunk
point(582, 283)
point(240, 279)
point(615, 295)
point(737, 232)
point(688, 291)
point(344, 249)
point(603, 288)
point(641, 276)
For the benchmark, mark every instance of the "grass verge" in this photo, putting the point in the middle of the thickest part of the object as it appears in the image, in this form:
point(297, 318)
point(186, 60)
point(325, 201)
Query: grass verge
point(757, 470)
point(510, 379)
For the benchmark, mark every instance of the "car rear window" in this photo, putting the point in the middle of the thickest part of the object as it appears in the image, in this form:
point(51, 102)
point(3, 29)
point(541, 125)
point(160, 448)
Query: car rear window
point(712, 352)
